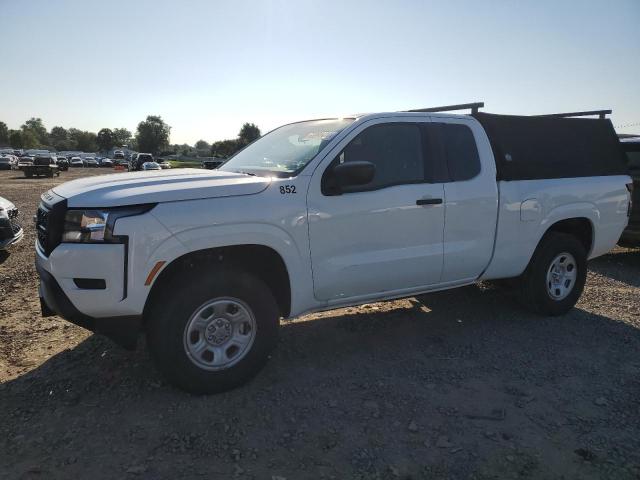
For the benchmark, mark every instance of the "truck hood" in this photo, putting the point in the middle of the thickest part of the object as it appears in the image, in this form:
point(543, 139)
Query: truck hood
point(120, 189)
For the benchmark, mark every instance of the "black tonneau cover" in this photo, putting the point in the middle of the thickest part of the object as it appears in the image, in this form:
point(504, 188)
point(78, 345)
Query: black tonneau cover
point(538, 147)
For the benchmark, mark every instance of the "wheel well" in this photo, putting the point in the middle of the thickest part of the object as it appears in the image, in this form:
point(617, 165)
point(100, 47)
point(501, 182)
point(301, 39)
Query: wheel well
point(264, 262)
point(580, 228)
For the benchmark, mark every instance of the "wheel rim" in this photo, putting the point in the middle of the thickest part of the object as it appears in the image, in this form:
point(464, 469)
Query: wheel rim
point(561, 276)
point(220, 333)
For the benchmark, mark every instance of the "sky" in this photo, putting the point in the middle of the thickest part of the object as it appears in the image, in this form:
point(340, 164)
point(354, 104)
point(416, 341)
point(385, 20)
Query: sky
point(207, 67)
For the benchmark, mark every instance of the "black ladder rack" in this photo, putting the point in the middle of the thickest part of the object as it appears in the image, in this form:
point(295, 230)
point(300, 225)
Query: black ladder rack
point(448, 108)
point(599, 113)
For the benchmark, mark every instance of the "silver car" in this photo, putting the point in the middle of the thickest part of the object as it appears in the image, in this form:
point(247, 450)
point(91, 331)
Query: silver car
point(150, 166)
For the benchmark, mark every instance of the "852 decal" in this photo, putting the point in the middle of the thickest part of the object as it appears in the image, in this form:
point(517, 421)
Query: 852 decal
point(284, 189)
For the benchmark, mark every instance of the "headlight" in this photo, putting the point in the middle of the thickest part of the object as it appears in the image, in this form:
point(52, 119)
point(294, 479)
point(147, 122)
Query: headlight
point(85, 226)
point(96, 226)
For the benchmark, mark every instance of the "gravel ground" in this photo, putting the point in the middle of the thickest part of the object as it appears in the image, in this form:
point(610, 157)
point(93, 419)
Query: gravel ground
point(458, 384)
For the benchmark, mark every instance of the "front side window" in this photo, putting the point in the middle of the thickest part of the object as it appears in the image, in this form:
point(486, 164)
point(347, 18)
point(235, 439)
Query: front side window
point(395, 150)
point(285, 151)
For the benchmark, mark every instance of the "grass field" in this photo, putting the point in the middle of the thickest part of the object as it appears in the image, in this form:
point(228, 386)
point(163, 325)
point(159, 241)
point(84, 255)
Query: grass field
point(185, 164)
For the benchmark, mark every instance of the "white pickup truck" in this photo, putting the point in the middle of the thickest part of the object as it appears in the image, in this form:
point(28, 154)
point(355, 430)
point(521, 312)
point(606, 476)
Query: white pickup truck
point(322, 214)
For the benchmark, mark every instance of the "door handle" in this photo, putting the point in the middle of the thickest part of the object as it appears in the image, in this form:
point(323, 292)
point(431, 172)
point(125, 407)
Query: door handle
point(429, 201)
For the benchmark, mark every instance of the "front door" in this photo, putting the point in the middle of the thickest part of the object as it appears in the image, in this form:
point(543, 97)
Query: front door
point(383, 237)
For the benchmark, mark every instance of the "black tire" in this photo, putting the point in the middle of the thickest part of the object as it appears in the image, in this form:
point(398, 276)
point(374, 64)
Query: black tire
point(167, 319)
point(533, 290)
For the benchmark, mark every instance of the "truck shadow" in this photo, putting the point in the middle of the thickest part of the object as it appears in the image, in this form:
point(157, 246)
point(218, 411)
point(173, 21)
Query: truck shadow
point(444, 360)
point(466, 332)
point(621, 264)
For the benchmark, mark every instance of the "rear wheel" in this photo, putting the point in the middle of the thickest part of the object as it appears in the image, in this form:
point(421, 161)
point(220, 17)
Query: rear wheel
point(555, 276)
point(212, 332)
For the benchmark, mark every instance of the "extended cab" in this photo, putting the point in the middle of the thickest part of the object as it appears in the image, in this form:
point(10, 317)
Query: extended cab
point(322, 214)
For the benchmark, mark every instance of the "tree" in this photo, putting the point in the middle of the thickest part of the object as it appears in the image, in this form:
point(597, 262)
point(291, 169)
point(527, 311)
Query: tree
point(15, 139)
point(38, 129)
point(106, 139)
point(29, 139)
point(248, 133)
point(4, 134)
point(225, 148)
point(153, 134)
point(86, 142)
point(59, 138)
point(202, 145)
point(121, 136)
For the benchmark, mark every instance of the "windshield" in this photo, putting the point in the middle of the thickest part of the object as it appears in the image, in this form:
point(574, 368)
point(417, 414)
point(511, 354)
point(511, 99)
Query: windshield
point(285, 151)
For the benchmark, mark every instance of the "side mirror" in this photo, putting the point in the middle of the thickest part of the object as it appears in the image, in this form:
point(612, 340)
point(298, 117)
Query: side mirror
point(352, 174)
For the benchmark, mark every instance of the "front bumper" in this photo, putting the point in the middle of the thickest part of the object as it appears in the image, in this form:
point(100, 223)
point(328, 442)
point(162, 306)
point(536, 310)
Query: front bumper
point(6, 242)
point(123, 330)
point(10, 231)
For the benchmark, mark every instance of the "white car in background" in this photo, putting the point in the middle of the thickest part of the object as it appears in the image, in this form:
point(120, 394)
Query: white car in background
point(151, 166)
point(10, 228)
point(76, 162)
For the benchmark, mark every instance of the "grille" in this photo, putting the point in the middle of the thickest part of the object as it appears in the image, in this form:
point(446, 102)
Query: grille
point(13, 220)
point(42, 227)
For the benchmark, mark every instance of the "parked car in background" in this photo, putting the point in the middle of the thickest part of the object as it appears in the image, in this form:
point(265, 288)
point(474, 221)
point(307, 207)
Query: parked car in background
point(151, 166)
point(631, 235)
point(24, 161)
point(91, 162)
point(121, 164)
point(106, 163)
point(76, 162)
point(118, 155)
point(10, 228)
point(141, 159)
point(212, 163)
point(44, 165)
point(8, 162)
point(63, 163)
point(165, 165)
point(324, 214)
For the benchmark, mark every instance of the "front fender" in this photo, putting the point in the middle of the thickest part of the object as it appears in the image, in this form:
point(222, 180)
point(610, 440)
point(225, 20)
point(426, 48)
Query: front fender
point(214, 236)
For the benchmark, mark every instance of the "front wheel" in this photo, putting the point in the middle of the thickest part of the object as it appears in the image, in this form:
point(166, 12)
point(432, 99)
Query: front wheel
point(555, 276)
point(212, 332)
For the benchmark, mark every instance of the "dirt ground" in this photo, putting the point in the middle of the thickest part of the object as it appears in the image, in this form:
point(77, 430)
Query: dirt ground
point(458, 384)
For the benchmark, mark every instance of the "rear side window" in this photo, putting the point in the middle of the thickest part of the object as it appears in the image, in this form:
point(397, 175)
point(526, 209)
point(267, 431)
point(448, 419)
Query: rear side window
point(633, 156)
point(461, 151)
point(395, 150)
